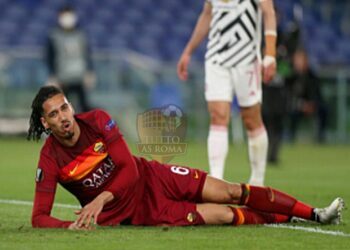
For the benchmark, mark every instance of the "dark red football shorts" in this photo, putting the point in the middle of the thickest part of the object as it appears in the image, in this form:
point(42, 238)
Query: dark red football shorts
point(170, 196)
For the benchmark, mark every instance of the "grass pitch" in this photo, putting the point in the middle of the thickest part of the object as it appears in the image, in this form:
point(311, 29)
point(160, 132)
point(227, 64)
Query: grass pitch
point(314, 174)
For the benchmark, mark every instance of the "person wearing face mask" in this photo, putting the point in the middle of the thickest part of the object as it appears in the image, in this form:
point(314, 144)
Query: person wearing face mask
point(68, 58)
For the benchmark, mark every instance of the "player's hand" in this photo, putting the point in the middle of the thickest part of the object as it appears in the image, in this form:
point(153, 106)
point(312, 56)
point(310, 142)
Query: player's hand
point(269, 68)
point(182, 67)
point(74, 226)
point(89, 213)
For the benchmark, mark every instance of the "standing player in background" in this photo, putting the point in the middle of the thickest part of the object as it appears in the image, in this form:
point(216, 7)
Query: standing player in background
point(68, 58)
point(233, 67)
point(88, 156)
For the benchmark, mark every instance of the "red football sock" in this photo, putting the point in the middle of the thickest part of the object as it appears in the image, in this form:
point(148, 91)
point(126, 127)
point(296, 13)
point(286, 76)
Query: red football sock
point(270, 200)
point(245, 215)
point(303, 210)
point(281, 218)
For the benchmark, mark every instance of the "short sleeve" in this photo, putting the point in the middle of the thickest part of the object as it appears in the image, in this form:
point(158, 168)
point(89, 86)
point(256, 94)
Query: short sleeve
point(107, 126)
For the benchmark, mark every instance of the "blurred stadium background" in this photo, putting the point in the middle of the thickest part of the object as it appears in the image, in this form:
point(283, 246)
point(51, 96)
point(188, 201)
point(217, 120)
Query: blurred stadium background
point(136, 45)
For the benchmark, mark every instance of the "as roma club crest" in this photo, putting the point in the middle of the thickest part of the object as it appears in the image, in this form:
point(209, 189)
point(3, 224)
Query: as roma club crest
point(162, 133)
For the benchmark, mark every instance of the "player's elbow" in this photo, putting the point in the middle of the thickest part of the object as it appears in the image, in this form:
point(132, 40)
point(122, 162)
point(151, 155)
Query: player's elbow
point(36, 221)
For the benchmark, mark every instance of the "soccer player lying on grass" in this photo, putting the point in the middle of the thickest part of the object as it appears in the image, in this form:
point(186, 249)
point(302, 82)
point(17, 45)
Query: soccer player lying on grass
point(88, 156)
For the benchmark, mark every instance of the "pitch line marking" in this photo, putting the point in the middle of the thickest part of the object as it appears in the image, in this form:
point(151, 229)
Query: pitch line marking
point(309, 229)
point(284, 226)
point(29, 203)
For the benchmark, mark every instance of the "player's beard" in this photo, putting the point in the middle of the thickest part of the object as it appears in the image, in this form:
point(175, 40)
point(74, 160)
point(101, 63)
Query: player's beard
point(69, 135)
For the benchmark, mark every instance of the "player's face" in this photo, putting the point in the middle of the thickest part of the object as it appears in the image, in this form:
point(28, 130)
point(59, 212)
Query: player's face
point(58, 116)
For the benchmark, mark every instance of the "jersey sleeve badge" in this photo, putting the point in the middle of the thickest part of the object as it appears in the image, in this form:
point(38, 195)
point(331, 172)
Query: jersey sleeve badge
point(110, 125)
point(39, 175)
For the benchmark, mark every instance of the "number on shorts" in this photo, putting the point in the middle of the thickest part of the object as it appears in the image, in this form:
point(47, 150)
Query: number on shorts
point(179, 170)
point(251, 74)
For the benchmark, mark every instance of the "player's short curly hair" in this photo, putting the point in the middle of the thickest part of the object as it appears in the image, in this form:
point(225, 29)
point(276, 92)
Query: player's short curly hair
point(35, 127)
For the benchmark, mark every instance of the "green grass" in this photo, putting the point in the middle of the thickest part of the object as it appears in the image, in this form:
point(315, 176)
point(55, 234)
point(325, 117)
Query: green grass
point(315, 174)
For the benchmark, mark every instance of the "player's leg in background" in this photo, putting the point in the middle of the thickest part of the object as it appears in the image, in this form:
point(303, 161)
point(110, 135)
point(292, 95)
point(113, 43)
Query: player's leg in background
point(247, 85)
point(218, 94)
point(218, 136)
point(257, 143)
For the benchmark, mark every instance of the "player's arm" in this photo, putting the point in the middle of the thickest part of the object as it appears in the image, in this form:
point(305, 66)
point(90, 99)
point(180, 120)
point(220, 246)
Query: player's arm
point(269, 61)
point(128, 173)
point(46, 183)
point(41, 217)
point(118, 150)
point(201, 29)
point(199, 33)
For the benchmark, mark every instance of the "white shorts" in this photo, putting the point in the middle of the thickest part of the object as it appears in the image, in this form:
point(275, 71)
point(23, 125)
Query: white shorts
point(221, 84)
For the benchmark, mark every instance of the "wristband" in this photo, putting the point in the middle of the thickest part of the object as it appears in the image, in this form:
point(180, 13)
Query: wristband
point(270, 33)
point(268, 60)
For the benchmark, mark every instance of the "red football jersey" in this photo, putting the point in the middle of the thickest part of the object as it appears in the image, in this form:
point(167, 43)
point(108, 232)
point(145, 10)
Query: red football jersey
point(145, 192)
point(87, 169)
